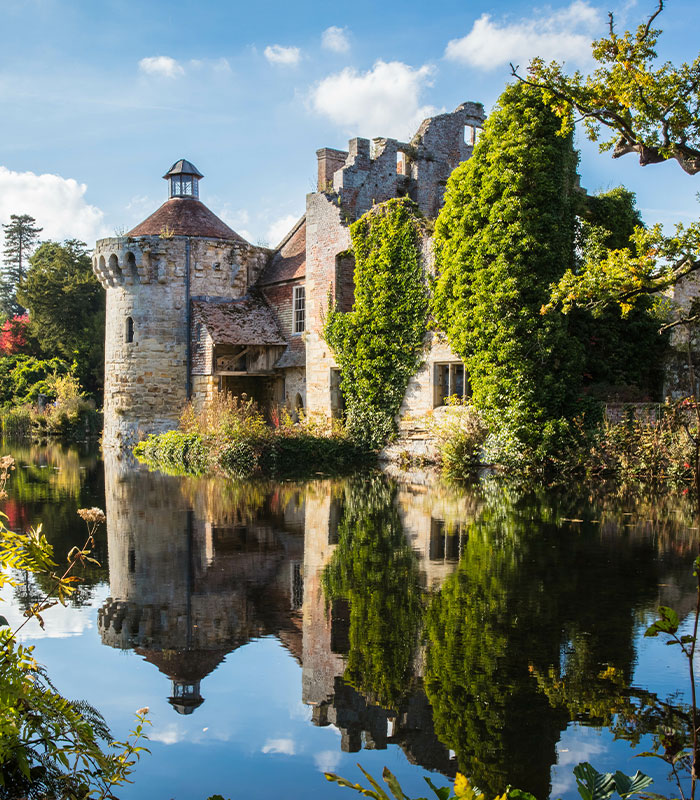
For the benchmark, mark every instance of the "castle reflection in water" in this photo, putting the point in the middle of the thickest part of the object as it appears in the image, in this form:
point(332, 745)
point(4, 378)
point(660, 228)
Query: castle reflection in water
point(200, 567)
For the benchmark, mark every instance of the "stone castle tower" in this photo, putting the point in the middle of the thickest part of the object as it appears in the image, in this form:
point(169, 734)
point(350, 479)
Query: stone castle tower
point(194, 310)
point(182, 252)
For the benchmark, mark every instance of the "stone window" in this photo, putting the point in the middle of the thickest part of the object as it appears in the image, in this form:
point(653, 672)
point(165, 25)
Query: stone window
point(449, 381)
point(299, 309)
point(401, 163)
point(129, 330)
point(337, 399)
point(471, 134)
point(297, 586)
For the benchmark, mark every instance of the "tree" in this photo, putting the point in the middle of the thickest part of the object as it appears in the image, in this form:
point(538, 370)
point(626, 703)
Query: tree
point(623, 355)
point(505, 233)
point(649, 109)
point(21, 235)
point(66, 306)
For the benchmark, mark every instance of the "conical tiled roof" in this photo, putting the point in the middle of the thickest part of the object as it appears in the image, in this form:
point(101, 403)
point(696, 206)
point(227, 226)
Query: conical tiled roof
point(185, 216)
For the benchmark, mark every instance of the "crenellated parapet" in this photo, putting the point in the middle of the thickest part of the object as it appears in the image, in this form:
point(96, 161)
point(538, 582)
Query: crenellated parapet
point(217, 267)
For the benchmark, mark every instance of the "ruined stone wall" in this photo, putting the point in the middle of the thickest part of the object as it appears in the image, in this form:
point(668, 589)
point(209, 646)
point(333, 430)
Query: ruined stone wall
point(373, 174)
point(294, 384)
point(326, 236)
point(677, 381)
point(146, 378)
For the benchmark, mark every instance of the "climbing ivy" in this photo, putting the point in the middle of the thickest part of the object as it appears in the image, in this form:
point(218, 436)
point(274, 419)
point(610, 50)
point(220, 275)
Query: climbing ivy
point(375, 570)
point(378, 345)
point(505, 233)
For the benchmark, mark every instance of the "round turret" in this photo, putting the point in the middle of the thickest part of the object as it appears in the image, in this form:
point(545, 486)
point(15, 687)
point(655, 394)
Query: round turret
point(181, 251)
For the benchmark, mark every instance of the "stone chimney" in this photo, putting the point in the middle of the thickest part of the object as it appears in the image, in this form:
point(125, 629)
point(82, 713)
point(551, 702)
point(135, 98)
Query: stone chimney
point(329, 161)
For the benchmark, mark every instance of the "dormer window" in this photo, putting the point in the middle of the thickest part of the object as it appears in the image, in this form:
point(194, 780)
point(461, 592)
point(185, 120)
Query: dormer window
point(184, 179)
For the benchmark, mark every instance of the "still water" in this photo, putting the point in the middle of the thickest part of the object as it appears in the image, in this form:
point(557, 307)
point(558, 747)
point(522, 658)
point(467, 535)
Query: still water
point(277, 631)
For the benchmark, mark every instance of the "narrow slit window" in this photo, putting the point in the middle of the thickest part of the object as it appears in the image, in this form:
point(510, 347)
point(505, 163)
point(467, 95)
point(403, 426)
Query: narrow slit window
point(299, 309)
point(129, 331)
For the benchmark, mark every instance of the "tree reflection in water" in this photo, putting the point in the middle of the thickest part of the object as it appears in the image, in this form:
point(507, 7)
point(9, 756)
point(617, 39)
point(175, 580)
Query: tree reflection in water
point(465, 626)
point(534, 627)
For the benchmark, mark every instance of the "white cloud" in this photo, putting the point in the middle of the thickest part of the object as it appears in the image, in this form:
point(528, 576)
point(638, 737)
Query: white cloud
point(162, 66)
point(327, 760)
point(285, 746)
point(335, 39)
point(220, 65)
point(279, 229)
point(564, 35)
point(169, 734)
point(238, 219)
point(382, 101)
point(58, 205)
point(277, 54)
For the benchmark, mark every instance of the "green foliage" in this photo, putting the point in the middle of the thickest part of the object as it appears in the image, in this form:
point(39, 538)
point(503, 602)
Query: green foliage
point(624, 355)
point(649, 450)
point(231, 436)
point(591, 784)
point(648, 108)
point(505, 233)
point(21, 235)
point(375, 571)
point(594, 785)
point(67, 308)
point(378, 345)
point(51, 746)
point(174, 451)
point(459, 436)
point(23, 378)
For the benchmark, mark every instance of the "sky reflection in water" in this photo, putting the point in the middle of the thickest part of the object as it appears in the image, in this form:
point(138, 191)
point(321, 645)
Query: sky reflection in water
point(452, 615)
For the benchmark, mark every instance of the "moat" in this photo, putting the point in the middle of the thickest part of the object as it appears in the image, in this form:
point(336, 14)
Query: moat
point(280, 630)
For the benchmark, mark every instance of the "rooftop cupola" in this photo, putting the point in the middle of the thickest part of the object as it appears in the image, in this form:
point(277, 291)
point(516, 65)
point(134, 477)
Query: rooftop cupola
point(183, 179)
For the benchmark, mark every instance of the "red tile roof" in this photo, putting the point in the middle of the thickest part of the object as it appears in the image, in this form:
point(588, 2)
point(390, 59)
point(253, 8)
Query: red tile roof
point(185, 216)
point(289, 261)
point(245, 321)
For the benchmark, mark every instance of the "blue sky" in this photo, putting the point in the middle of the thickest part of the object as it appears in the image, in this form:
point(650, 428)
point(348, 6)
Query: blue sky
point(99, 98)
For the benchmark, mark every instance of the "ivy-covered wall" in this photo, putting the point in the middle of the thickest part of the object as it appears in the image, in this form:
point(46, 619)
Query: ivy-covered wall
point(379, 344)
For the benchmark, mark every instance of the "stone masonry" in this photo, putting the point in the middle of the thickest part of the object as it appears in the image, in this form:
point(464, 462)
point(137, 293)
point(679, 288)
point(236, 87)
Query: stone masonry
point(164, 347)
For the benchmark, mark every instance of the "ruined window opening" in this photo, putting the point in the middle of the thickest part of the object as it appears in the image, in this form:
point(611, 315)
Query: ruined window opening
point(297, 586)
point(337, 398)
point(299, 309)
point(344, 281)
point(450, 382)
point(446, 542)
point(132, 560)
point(198, 333)
point(401, 163)
point(470, 135)
point(129, 331)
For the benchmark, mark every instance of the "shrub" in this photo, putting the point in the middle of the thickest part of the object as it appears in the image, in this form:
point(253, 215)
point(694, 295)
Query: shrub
point(460, 433)
point(16, 422)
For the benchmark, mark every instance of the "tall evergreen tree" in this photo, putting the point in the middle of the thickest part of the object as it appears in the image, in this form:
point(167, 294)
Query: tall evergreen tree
point(504, 235)
point(67, 308)
point(21, 236)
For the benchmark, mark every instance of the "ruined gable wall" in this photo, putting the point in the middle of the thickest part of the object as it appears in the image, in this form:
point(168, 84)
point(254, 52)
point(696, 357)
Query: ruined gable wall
point(326, 236)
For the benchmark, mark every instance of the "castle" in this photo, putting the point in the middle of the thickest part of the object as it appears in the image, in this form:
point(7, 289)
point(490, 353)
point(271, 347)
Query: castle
point(193, 309)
